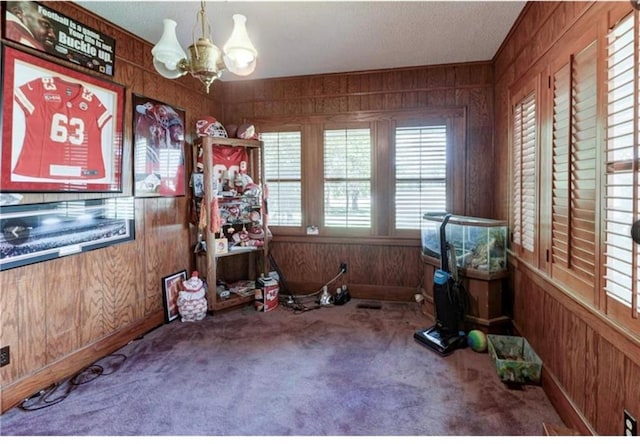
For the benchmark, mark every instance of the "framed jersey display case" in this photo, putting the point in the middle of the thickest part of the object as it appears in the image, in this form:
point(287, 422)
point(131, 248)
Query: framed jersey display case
point(61, 129)
point(158, 148)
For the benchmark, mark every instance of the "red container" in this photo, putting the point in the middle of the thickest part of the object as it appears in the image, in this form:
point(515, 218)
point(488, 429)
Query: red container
point(267, 292)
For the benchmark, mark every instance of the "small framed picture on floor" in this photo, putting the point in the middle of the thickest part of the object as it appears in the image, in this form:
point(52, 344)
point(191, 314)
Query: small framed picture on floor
point(171, 286)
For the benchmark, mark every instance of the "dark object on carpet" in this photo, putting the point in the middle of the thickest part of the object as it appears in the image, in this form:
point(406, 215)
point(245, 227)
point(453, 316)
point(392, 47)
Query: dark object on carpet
point(334, 371)
point(372, 305)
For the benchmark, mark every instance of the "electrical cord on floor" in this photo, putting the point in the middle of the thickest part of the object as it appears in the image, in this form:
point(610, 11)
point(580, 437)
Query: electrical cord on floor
point(45, 398)
point(297, 302)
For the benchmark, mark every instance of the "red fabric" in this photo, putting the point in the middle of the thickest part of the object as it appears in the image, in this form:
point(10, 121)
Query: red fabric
point(63, 130)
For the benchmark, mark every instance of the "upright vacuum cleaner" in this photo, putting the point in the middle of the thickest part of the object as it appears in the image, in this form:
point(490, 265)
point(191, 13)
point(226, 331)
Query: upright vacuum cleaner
point(450, 300)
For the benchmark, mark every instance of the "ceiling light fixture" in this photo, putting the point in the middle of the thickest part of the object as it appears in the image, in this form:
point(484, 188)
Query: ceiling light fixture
point(205, 62)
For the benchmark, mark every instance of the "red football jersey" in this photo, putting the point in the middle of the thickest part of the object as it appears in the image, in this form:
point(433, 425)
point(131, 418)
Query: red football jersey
point(63, 130)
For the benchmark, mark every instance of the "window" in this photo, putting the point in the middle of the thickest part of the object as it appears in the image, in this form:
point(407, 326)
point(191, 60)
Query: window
point(347, 178)
point(283, 174)
point(574, 172)
point(622, 206)
point(370, 176)
point(524, 174)
point(420, 173)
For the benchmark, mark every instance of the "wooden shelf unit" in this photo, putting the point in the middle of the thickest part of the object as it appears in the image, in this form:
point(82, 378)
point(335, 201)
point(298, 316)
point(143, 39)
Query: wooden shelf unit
point(207, 262)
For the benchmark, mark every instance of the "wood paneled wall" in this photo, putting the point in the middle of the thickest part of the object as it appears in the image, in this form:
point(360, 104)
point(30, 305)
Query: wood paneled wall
point(61, 315)
point(381, 267)
point(591, 365)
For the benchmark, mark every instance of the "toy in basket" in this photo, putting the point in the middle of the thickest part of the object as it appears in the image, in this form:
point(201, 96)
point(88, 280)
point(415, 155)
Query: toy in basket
point(192, 303)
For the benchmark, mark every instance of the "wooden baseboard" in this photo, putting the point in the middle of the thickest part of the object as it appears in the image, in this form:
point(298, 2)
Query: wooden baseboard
point(568, 412)
point(15, 393)
point(556, 430)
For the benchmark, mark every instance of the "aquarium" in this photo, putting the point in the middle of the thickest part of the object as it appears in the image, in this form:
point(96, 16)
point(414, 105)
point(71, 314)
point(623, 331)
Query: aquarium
point(479, 244)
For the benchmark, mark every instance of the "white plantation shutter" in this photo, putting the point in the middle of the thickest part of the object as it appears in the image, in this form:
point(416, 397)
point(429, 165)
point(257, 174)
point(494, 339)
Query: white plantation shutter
point(574, 164)
point(524, 173)
point(621, 163)
point(560, 174)
point(421, 170)
point(347, 178)
point(283, 174)
point(583, 165)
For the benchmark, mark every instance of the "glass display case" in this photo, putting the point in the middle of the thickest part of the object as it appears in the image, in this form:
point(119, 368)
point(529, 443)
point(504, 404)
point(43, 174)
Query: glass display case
point(479, 244)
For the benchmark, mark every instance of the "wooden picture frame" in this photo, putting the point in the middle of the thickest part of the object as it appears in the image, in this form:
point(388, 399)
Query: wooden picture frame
point(171, 286)
point(40, 232)
point(61, 129)
point(158, 148)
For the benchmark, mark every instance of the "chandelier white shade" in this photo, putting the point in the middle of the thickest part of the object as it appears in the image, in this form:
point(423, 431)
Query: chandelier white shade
point(205, 60)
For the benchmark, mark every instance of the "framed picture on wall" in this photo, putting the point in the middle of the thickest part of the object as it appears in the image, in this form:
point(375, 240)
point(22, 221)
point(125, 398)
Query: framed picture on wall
point(158, 148)
point(61, 129)
point(171, 286)
point(40, 232)
point(37, 26)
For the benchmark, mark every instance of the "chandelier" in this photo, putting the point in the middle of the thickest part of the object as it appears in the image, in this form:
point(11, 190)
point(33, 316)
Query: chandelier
point(205, 61)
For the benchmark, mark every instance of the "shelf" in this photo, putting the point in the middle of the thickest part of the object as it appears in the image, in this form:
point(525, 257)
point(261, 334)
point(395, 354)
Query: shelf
point(238, 251)
point(249, 266)
point(228, 141)
point(232, 301)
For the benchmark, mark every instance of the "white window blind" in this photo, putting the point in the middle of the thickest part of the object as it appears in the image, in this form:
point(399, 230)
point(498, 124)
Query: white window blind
point(573, 186)
point(347, 178)
point(621, 157)
point(283, 174)
point(421, 173)
point(524, 172)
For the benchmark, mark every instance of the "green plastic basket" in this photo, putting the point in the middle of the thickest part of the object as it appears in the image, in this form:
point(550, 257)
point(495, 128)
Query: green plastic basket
point(515, 361)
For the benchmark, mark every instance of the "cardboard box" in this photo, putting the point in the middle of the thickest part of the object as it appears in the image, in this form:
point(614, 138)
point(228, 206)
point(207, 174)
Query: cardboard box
point(514, 359)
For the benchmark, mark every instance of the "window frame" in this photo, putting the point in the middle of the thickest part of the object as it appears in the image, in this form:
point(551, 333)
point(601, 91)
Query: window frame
point(382, 124)
point(449, 123)
point(348, 231)
point(517, 95)
point(277, 128)
point(271, 182)
point(615, 310)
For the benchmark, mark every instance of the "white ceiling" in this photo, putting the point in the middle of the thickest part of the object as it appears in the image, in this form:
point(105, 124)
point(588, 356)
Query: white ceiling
point(315, 37)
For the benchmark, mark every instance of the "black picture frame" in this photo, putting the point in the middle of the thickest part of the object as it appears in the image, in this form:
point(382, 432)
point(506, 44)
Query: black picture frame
point(36, 26)
point(47, 150)
point(171, 286)
point(39, 232)
point(158, 148)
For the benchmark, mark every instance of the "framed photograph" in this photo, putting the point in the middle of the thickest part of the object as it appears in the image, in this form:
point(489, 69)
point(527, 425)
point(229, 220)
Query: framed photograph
point(39, 232)
point(37, 26)
point(171, 286)
point(158, 148)
point(61, 129)
point(197, 183)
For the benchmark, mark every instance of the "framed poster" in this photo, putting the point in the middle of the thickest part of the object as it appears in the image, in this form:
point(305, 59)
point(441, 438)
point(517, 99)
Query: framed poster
point(171, 286)
point(61, 129)
point(39, 27)
point(158, 148)
point(39, 232)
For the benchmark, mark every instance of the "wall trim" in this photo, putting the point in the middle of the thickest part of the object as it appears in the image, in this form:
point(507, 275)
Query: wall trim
point(15, 393)
point(567, 410)
point(625, 340)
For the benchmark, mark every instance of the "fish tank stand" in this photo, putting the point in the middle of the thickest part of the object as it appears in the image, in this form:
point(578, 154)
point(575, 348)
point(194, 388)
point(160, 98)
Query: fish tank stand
point(479, 248)
point(486, 309)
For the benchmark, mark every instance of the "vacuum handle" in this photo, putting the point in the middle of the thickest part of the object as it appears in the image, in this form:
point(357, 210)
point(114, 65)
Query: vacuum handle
point(444, 256)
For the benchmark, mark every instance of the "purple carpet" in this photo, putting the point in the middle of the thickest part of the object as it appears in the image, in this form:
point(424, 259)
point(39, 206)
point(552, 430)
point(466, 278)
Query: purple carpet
point(338, 370)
